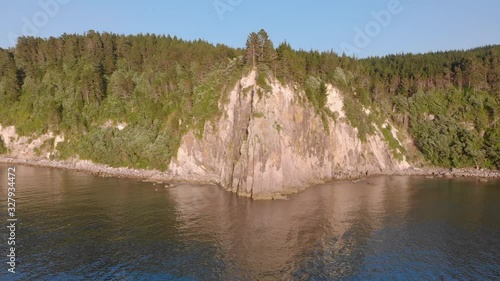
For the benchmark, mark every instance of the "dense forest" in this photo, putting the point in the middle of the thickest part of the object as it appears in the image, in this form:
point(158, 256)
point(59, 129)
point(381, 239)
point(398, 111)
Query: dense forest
point(162, 86)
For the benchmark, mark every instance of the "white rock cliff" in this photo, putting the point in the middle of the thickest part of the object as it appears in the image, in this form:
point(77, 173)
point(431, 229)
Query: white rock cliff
point(267, 145)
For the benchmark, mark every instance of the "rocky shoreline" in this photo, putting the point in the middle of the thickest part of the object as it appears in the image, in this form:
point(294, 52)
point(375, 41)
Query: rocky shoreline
point(101, 170)
point(166, 178)
point(453, 172)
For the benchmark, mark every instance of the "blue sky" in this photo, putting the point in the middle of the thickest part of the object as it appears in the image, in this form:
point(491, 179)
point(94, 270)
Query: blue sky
point(342, 26)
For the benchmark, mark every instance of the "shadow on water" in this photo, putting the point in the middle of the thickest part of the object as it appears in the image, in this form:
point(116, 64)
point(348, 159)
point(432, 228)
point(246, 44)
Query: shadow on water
point(75, 226)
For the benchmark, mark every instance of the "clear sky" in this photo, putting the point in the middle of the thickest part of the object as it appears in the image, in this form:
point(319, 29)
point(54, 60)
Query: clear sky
point(361, 28)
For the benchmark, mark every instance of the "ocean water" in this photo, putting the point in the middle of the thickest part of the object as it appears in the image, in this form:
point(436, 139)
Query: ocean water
point(74, 226)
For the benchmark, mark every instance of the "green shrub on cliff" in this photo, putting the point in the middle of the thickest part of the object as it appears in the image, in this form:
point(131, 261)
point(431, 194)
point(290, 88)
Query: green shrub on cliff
point(357, 117)
point(492, 146)
point(3, 148)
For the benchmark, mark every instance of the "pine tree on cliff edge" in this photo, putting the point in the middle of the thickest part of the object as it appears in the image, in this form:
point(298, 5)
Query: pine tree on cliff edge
point(260, 49)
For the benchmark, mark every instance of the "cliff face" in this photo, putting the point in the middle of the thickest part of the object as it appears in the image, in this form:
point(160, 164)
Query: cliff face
point(268, 144)
point(264, 145)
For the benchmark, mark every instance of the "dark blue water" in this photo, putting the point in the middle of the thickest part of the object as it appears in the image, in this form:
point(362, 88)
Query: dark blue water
point(73, 226)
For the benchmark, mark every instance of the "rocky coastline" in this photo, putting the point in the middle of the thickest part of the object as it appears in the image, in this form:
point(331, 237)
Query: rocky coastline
point(263, 146)
point(157, 176)
point(101, 170)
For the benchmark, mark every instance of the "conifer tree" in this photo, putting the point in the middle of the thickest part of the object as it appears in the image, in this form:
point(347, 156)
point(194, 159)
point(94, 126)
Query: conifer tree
point(252, 48)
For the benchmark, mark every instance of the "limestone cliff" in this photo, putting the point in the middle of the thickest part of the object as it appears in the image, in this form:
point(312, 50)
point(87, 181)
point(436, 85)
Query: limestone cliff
point(266, 144)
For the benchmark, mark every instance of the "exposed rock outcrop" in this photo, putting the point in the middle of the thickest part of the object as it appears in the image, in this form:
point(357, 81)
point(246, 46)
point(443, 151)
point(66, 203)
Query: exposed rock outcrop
point(263, 145)
point(25, 147)
point(268, 144)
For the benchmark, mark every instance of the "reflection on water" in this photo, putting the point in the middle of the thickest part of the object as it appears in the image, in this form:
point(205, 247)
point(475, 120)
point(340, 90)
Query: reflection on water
point(75, 226)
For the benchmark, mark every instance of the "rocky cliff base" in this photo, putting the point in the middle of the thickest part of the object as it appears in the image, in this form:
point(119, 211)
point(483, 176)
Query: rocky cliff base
point(168, 180)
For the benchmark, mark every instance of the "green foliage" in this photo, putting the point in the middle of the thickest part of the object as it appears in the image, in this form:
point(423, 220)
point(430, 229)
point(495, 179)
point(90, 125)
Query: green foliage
point(447, 126)
point(257, 114)
point(263, 74)
point(325, 121)
point(11, 78)
point(277, 126)
point(160, 86)
point(448, 101)
point(138, 146)
point(333, 115)
point(262, 80)
point(163, 86)
point(260, 49)
point(491, 146)
point(447, 143)
point(394, 145)
point(206, 96)
point(3, 148)
point(357, 117)
point(316, 93)
point(47, 146)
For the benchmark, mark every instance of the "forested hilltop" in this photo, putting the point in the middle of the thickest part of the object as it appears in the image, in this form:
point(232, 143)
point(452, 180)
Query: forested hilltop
point(160, 87)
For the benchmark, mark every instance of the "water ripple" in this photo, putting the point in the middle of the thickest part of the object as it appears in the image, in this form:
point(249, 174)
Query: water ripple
point(78, 227)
